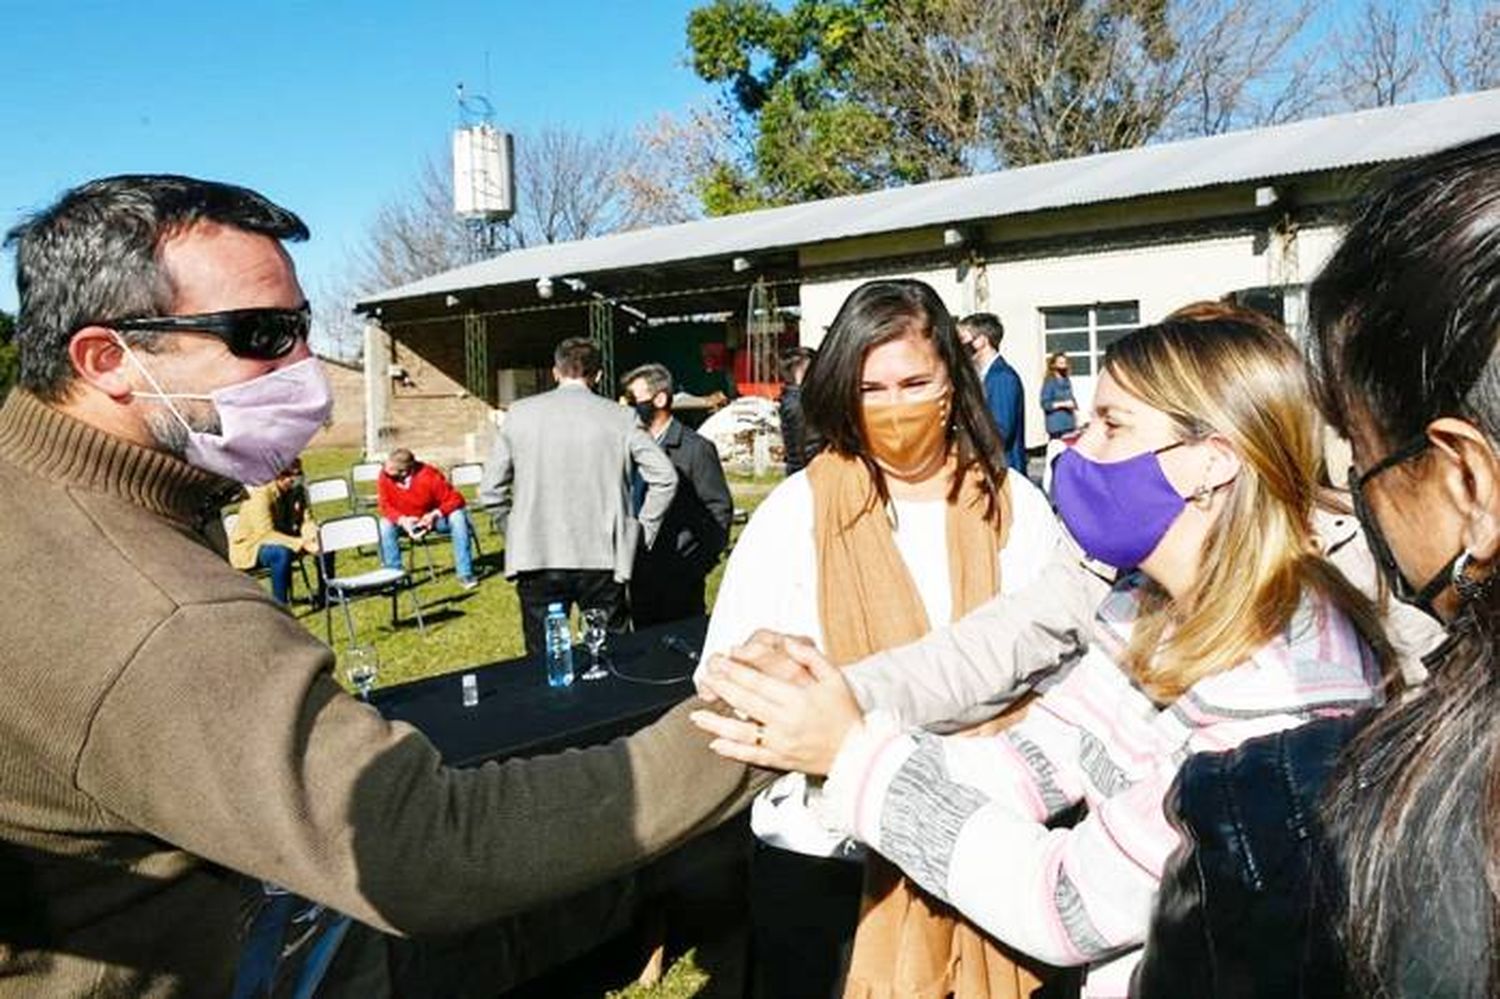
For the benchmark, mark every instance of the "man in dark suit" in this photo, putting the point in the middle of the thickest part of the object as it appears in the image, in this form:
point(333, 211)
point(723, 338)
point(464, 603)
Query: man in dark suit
point(667, 584)
point(982, 332)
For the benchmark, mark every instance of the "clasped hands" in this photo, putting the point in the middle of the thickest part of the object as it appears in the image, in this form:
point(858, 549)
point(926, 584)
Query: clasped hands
point(794, 708)
point(418, 526)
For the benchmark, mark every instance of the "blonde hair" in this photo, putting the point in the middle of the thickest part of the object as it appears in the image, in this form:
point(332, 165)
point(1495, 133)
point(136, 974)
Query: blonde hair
point(1224, 372)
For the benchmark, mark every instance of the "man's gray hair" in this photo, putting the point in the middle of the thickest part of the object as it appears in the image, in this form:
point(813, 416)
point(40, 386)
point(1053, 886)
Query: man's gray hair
point(656, 377)
point(94, 256)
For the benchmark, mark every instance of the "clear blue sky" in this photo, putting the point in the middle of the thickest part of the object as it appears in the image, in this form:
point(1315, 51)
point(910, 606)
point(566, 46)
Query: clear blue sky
point(327, 107)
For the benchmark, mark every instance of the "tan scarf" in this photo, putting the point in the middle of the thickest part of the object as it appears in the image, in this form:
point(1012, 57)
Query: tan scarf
point(908, 944)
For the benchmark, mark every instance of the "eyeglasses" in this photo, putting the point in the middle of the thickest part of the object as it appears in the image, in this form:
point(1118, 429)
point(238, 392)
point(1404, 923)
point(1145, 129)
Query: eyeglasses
point(261, 334)
point(1384, 556)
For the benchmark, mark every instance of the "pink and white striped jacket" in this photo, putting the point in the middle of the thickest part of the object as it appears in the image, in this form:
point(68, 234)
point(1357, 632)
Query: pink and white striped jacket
point(968, 818)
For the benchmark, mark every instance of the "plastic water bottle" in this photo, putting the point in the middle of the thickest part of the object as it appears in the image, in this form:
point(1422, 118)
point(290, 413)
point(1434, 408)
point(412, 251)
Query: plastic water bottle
point(559, 637)
point(471, 690)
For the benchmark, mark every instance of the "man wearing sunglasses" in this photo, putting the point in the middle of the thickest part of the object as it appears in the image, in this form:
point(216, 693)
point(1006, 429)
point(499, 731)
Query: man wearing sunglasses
point(165, 724)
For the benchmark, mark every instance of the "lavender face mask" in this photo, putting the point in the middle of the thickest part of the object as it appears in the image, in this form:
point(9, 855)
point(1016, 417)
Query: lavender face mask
point(1117, 511)
point(264, 422)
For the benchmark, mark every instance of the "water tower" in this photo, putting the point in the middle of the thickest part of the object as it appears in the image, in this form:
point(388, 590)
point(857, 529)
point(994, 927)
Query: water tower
point(484, 178)
point(484, 197)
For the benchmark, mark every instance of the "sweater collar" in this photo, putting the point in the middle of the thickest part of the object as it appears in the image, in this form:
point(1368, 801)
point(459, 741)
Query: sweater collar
point(43, 440)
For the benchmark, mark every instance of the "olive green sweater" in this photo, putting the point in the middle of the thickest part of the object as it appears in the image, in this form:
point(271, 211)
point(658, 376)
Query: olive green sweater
point(164, 724)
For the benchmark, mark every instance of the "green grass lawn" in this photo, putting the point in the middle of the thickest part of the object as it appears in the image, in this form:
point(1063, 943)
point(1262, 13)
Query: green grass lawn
point(464, 629)
point(470, 628)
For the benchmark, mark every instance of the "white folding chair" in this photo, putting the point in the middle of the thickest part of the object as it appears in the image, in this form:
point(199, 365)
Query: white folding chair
point(472, 474)
point(362, 476)
point(355, 531)
point(469, 475)
point(332, 490)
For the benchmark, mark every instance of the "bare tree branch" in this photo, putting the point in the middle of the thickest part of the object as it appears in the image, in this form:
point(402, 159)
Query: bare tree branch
point(569, 186)
point(1378, 56)
point(1462, 42)
point(663, 185)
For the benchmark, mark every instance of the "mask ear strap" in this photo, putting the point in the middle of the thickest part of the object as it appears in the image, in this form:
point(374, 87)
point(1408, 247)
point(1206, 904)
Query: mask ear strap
point(1445, 577)
point(165, 397)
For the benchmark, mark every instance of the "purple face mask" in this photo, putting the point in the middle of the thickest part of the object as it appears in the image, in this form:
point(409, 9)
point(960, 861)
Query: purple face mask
point(264, 423)
point(1117, 511)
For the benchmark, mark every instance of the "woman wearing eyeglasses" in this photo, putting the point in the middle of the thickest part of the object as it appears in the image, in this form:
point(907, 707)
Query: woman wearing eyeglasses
point(905, 521)
point(1353, 859)
point(1198, 469)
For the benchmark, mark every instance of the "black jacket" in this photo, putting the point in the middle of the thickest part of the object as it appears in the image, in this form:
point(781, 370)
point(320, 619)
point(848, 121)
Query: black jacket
point(793, 428)
point(695, 530)
point(1244, 908)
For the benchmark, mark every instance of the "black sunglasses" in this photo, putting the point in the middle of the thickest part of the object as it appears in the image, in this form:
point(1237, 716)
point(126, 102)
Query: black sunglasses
point(261, 334)
point(1379, 547)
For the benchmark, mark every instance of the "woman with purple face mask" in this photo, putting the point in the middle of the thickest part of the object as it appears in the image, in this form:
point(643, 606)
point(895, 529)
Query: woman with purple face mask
point(1197, 472)
point(1362, 857)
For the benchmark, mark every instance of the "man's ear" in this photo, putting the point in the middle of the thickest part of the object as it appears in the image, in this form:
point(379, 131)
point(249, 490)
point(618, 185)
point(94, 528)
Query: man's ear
point(99, 360)
point(1470, 479)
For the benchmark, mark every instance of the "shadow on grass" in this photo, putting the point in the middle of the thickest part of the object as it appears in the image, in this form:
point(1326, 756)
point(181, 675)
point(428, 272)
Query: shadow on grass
point(491, 563)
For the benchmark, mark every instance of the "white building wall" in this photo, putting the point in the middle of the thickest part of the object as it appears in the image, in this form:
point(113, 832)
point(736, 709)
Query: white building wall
point(1160, 278)
point(820, 300)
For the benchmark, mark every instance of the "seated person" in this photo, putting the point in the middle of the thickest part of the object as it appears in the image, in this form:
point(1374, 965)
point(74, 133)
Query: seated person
point(273, 529)
point(416, 499)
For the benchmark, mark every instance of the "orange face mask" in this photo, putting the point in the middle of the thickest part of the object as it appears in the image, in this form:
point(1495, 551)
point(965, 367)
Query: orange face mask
point(905, 436)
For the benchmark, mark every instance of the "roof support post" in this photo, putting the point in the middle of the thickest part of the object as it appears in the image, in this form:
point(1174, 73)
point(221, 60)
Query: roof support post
point(602, 332)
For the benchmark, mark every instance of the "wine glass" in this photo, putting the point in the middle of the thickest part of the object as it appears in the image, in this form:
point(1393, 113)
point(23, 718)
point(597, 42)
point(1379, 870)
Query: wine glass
point(362, 666)
point(595, 632)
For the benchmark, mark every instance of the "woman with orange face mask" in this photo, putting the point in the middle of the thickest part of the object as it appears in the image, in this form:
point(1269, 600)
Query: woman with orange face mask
point(905, 521)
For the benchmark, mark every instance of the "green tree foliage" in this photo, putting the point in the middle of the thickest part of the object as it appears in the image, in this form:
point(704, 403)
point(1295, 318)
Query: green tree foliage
point(10, 356)
point(840, 96)
point(790, 78)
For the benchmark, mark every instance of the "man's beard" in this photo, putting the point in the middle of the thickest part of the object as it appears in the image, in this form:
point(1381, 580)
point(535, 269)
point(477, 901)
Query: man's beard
point(169, 433)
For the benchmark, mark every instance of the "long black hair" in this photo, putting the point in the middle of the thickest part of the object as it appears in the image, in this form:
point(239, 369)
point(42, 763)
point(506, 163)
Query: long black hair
point(878, 312)
point(1405, 320)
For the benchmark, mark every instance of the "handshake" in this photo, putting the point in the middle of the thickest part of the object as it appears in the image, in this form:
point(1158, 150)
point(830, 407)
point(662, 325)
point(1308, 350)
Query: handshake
point(792, 707)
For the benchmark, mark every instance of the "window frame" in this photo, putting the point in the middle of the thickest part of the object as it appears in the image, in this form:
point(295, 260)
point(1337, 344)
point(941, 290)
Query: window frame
point(1092, 329)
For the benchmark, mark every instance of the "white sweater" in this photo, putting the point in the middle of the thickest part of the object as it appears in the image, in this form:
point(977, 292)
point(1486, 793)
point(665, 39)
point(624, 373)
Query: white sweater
point(771, 581)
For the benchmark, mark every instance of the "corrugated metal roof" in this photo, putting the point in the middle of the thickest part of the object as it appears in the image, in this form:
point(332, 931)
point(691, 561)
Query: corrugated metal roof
point(1339, 141)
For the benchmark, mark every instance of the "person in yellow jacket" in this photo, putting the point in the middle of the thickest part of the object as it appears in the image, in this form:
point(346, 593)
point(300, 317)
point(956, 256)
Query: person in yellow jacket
point(273, 529)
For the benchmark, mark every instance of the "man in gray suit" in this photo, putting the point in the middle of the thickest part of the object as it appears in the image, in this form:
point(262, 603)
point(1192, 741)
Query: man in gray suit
point(559, 482)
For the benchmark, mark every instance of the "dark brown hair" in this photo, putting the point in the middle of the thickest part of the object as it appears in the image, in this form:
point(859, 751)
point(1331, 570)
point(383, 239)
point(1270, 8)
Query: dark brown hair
point(577, 357)
point(1404, 326)
point(878, 312)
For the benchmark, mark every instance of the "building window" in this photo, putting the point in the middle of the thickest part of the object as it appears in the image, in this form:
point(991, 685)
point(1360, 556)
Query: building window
point(1285, 303)
point(1084, 332)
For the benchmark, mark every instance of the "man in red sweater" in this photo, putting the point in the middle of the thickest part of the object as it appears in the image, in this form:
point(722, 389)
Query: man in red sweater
point(416, 499)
